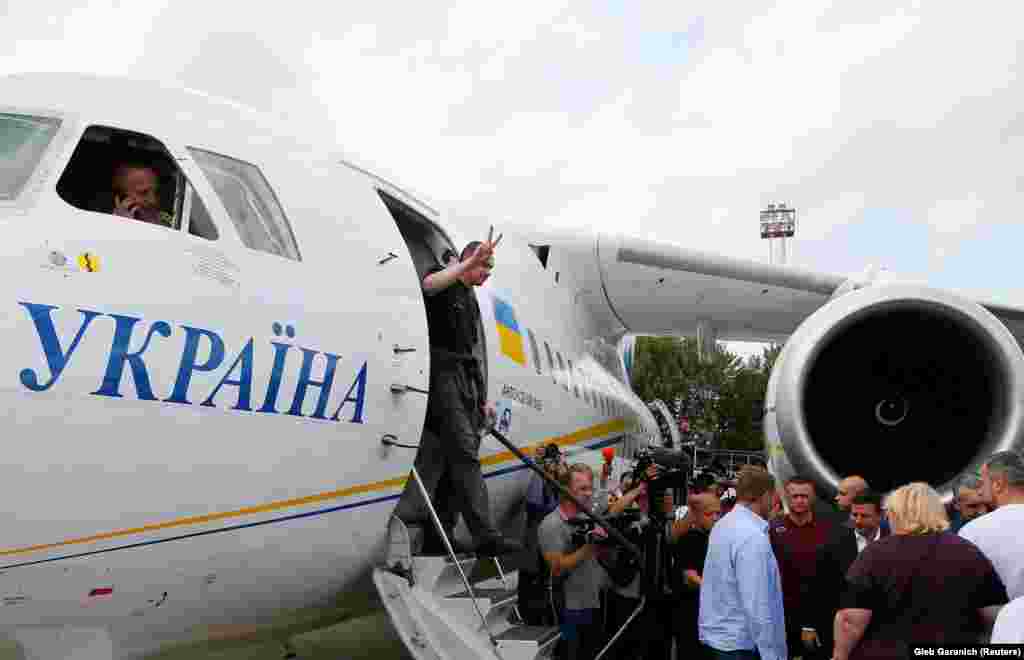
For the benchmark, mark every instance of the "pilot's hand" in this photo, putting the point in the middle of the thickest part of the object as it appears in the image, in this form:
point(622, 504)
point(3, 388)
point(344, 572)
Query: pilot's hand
point(481, 255)
point(126, 206)
point(652, 472)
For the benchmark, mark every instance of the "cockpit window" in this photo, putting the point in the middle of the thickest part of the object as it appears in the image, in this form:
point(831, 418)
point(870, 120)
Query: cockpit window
point(250, 202)
point(23, 140)
point(132, 175)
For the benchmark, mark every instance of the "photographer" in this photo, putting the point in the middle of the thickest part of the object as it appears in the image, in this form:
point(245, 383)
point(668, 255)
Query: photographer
point(541, 499)
point(576, 576)
point(647, 636)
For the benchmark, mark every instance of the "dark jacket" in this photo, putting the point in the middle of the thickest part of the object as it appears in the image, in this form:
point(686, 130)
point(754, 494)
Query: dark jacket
point(834, 560)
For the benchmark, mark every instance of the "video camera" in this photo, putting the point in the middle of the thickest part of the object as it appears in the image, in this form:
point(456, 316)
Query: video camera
point(552, 454)
point(621, 566)
point(673, 471)
point(628, 523)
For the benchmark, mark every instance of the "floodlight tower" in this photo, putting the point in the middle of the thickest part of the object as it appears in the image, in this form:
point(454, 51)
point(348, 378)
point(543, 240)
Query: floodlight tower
point(778, 222)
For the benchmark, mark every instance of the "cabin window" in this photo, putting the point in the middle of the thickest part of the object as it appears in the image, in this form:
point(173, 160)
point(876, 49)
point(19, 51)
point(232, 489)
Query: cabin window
point(250, 203)
point(23, 140)
point(199, 221)
point(551, 362)
point(561, 369)
point(534, 351)
point(542, 253)
point(114, 171)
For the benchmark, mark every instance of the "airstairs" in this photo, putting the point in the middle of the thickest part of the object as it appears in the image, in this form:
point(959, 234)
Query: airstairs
point(442, 610)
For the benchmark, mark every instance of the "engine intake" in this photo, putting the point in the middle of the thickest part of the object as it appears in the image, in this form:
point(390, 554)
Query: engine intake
point(897, 383)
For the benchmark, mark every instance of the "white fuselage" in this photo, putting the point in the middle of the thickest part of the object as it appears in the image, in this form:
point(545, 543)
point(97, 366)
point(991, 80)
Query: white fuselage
point(194, 427)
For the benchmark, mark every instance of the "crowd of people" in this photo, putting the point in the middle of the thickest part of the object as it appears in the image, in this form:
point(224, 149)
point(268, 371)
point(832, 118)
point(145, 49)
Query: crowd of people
point(739, 576)
point(777, 572)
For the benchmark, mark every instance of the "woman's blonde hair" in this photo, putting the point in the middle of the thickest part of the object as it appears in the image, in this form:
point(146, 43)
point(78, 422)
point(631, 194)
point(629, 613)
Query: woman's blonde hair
point(916, 509)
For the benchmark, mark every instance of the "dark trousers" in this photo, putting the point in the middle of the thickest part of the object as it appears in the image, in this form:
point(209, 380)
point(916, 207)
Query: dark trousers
point(647, 636)
point(684, 628)
point(581, 635)
point(447, 459)
point(535, 602)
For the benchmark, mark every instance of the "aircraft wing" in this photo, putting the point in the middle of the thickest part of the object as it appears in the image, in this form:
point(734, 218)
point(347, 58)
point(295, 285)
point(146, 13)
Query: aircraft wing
point(658, 288)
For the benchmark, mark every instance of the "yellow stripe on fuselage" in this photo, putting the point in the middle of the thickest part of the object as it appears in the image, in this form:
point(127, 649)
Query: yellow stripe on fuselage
point(613, 426)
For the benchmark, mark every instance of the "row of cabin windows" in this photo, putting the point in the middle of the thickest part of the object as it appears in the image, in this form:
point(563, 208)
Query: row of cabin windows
point(87, 181)
point(576, 384)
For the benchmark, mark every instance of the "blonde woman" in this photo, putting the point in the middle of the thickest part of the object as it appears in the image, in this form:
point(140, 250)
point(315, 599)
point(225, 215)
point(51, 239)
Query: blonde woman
point(921, 585)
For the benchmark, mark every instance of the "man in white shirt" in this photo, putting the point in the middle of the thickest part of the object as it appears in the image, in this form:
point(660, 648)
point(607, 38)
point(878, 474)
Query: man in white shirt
point(998, 534)
point(1009, 628)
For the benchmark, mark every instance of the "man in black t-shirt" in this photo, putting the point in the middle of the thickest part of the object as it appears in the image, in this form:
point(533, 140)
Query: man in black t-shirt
point(691, 551)
point(457, 409)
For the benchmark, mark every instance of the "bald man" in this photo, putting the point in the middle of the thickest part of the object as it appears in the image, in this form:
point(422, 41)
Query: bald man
point(691, 551)
point(849, 488)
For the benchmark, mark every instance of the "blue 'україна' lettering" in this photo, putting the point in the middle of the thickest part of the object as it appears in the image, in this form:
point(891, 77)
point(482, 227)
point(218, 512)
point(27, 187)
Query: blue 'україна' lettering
point(239, 374)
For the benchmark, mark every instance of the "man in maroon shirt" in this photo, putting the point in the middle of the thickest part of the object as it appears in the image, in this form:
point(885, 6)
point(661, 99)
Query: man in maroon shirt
point(795, 541)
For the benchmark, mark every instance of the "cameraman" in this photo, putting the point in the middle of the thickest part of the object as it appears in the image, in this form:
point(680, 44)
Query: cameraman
point(541, 499)
point(576, 577)
point(647, 636)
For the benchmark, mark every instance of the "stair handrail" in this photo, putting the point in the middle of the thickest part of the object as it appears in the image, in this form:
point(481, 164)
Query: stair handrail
point(600, 520)
point(451, 553)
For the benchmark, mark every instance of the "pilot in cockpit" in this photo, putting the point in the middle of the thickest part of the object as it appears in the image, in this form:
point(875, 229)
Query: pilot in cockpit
point(136, 189)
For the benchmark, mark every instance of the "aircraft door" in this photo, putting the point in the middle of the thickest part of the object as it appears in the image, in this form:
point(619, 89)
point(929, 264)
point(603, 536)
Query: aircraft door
point(327, 277)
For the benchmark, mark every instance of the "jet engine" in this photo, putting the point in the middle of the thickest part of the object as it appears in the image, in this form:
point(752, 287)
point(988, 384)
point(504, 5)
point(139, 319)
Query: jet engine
point(897, 383)
point(667, 429)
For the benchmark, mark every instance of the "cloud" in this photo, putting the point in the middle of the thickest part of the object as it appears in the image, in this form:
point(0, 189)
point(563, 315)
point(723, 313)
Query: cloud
point(677, 120)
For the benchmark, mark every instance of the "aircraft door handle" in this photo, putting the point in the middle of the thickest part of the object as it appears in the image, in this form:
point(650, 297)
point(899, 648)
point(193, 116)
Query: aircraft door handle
point(390, 440)
point(389, 257)
point(401, 349)
point(398, 388)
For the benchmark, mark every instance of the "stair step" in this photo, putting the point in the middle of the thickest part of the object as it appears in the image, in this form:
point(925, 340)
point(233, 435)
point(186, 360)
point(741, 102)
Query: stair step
point(498, 597)
point(538, 634)
point(496, 605)
point(527, 642)
point(440, 575)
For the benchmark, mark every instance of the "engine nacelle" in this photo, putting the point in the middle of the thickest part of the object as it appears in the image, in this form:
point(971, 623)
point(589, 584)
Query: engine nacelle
point(897, 383)
point(667, 429)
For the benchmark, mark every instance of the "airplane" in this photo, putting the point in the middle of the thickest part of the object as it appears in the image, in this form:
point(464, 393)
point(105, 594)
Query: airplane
point(204, 417)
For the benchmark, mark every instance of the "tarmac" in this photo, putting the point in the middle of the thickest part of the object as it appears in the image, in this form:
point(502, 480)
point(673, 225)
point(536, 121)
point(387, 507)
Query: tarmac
point(367, 637)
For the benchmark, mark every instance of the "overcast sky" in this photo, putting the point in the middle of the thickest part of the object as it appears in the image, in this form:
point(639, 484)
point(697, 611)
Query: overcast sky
point(894, 129)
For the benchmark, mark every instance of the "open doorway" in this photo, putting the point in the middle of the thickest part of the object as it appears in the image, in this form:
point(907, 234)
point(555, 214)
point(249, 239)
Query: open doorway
point(427, 245)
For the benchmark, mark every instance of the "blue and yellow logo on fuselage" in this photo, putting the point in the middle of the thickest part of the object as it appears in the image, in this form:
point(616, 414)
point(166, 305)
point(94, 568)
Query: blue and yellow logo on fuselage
point(510, 340)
